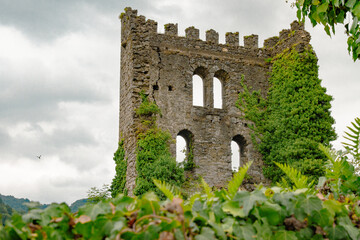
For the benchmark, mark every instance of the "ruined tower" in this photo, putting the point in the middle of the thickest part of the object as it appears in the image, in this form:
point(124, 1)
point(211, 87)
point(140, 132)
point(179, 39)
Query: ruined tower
point(163, 66)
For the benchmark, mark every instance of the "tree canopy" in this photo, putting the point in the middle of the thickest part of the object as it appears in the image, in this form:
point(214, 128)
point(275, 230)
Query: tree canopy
point(331, 12)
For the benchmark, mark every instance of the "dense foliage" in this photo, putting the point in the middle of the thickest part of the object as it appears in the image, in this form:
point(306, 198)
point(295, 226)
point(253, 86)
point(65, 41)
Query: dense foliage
point(153, 157)
point(119, 181)
point(332, 12)
point(330, 212)
point(294, 117)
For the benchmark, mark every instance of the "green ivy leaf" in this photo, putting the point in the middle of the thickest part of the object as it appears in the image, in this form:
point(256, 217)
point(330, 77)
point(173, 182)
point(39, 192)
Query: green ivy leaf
point(249, 200)
point(234, 209)
point(246, 232)
point(285, 235)
point(272, 212)
point(206, 234)
point(336, 232)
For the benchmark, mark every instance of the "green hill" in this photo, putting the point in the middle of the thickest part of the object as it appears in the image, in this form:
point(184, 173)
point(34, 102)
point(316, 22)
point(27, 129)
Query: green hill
point(18, 203)
point(75, 205)
point(5, 211)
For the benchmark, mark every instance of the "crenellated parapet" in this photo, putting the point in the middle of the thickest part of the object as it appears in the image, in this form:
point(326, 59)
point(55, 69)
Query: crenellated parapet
point(296, 35)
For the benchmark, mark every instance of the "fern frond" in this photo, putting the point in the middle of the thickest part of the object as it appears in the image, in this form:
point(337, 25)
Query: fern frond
point(207, 189)
point(237, 180)
point(189, 204)
point(283, 184)
point(353, 137)
point(299, 180)
point(168, 190)
point(329, 153)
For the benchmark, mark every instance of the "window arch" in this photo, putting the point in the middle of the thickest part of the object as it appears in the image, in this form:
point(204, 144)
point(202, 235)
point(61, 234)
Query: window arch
point(184, 141)
point(217, 93)
point(197, 91)
point(238, 145)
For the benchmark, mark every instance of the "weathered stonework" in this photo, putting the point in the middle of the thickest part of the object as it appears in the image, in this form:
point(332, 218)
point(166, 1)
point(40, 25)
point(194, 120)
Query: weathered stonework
point(163, 65)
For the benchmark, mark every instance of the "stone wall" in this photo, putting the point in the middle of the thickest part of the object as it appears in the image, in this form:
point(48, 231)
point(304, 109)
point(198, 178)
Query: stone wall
point(163, 65)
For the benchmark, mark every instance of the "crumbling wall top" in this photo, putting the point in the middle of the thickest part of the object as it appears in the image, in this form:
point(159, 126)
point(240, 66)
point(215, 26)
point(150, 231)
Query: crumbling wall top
point(286, 38)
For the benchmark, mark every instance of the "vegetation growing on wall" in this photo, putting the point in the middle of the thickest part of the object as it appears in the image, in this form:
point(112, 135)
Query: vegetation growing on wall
point(294, 117)
point(119, 181)
point(153, 157)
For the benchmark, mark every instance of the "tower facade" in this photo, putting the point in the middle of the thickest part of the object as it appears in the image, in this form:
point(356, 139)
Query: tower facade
point(163, 67)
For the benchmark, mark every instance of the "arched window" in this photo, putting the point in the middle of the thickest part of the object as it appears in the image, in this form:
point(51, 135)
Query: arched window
point(217, 93)
point(238, 145)
point(197, 91)
point(184, 141)
point(180, 149)
point(235, 156)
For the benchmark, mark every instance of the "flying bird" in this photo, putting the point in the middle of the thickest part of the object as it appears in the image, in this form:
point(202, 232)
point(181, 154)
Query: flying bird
point(38, 156)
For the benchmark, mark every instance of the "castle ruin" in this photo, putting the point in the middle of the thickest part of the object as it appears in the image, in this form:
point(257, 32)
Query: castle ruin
point(163, 65)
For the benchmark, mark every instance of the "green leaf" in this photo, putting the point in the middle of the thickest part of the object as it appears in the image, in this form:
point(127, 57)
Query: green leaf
point(356, 10)
point(233, 208)
point(206, 234)
point(354, 25)
point(327, 30)
point(246, 232)
point(272, 212)
point(322, 8)
point(350, 3)
point(333, 207)
point(249, 200)
point(336, 232)
point(345, 222)
point(285, 235)
point(322, 217)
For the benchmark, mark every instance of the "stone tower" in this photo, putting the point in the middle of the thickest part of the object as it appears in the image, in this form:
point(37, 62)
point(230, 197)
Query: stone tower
point(163, 66)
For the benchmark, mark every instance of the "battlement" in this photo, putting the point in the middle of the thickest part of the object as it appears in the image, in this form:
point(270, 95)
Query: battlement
point(287, 37)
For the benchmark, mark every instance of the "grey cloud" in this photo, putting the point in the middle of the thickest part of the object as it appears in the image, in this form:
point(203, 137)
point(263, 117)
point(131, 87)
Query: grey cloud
point(47, 19)
point(56, 143)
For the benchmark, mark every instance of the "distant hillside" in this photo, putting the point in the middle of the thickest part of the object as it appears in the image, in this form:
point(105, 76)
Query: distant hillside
point(18, 203)
point(75, 205)
point(5, 211)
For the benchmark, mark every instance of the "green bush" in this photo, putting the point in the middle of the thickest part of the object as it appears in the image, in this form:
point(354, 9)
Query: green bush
point(119, 181)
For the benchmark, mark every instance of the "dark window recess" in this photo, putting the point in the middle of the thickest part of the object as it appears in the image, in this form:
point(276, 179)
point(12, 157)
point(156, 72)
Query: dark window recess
point(156, 87)
point(170, 88)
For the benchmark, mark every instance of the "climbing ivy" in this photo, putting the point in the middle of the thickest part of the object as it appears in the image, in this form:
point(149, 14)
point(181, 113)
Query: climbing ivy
point(294, 117)
point(119, 181)
point(153, 157)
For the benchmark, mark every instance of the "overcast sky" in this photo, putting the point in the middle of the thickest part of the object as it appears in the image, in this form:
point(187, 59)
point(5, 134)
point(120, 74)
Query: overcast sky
point(59, 82)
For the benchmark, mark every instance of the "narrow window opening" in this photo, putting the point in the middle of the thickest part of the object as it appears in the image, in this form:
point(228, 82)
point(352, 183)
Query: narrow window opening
point(170, 88)
point(217, 93)
point(238, 152)
point(181, 149)
point(198, 91)
point(235, 156)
